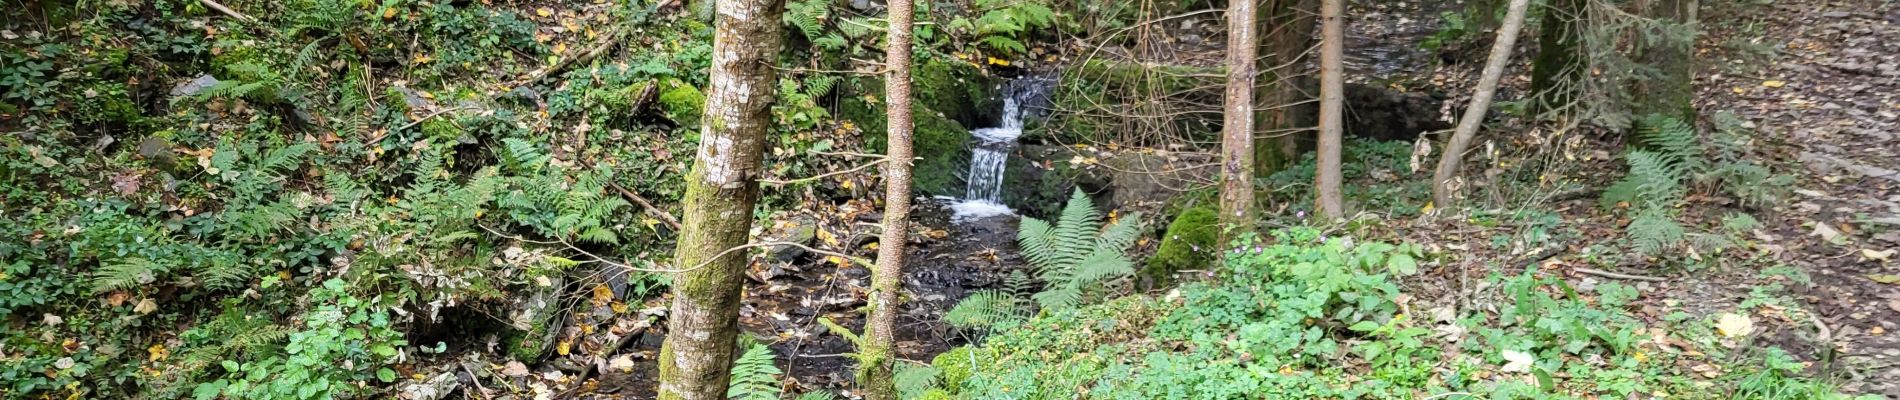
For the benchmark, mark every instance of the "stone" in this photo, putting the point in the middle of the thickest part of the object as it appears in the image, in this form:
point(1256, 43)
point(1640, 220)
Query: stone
point(194, 86)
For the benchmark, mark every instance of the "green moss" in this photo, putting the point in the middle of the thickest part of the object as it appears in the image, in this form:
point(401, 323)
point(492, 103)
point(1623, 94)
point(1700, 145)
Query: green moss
point(681, 102)
point(962, 92)
point(953, 367)
point(936, 394)
point(1190, 242)
point(528, 346)
point(940, 142)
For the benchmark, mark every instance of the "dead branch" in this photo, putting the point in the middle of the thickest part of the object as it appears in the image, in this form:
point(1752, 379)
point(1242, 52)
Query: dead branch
point(227, 11)
point(1608, 274)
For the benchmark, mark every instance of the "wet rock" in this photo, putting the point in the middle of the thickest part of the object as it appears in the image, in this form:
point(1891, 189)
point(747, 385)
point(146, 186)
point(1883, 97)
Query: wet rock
point(802, 231)
point(532, 314)
point(414, 99)
point(194, 86)
point(436, 388)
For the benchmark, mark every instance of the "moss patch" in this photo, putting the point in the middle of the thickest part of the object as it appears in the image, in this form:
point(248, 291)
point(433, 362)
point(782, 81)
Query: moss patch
point(953, 367)
point(1189, 243)
point(681, 102)
point(941, 143)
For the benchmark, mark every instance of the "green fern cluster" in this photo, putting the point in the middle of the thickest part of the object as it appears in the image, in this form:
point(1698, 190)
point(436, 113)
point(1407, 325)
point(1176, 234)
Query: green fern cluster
point(1005, 24)
point(1667, 164)
point(1071, 257)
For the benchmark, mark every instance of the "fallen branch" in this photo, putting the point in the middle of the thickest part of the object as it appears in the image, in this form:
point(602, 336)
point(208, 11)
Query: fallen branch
point(642, 201)
point(775, 182)
point(606, 42)
point(1608, 274)
point(227, 11)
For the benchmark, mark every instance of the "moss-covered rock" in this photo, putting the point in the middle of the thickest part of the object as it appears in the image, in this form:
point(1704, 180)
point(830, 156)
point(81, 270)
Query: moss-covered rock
point(1190, 242)
point(953, 367)
point(681, 102)
point(951, 97)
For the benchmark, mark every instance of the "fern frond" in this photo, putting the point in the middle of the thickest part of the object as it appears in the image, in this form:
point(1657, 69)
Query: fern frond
point(125, 273)
point(984, 309)
point(1673, 139)
point(1034, 237)
point(1058, 297)
point(913, 380)
point(1653, 231)
point(755, 375)
point(1122, 234)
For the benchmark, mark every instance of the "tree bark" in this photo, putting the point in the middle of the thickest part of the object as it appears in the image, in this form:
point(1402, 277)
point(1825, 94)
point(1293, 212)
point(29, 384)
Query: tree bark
point(1236, 194)
point(1332, 92)
point(877, 369)
point(1287, 31)
point(721, 190)
point(1556, 72)
point(1670, 91)
point(1449, 163)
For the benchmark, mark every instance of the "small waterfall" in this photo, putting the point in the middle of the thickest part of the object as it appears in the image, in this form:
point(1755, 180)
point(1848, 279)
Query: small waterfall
point(992, 155)
point(984, 195)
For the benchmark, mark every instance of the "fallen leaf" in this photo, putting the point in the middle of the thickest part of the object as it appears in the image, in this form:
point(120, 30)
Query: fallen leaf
point(1829, 234)
point(1773, 83)
point(514, 369)
point(146, 306)
point(1885, 278)
point(1517, 361)
point(1877, 255)
point(52, 320)
point(63, 363)
point(543, 11)
point(1732, 325)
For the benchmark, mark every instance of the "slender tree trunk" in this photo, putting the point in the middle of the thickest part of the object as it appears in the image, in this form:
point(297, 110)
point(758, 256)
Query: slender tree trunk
point(1556, 72)
point(1286, 33)
point(721, 190)
point(1670, 90)
point(877, 368)
point(1236, 194)
point(1332, 93)
point(1453, 158)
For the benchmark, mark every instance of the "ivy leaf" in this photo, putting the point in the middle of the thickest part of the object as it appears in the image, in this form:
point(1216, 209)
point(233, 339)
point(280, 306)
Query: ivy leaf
point(1402, 264)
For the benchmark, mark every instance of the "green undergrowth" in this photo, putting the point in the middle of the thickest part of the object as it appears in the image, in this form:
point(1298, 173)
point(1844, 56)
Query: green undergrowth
point(1300, 315)
point(1383, 181)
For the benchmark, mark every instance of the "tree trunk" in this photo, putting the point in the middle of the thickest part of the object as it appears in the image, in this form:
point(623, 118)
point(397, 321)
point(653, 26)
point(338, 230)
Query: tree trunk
point(1670, 91)
point(1332, 92)
point(1287, 31)
point(1556, 71)
point(879, 331)
point(1236, 194)
point(721, 190)
point(1453, 158)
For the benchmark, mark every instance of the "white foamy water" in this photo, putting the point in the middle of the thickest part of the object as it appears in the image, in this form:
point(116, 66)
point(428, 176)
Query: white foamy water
point(984, 196)
point(971, 210)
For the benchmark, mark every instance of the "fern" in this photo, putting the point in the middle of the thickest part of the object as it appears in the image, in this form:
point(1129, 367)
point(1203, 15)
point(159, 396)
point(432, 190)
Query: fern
point(522, 155)
point(1673, 140)
point(754, 375)
point(1653, 231)
point(817, 396)
point(808, 16)
point(1076, 253)
point(126, 274)
point(913, 380)
point(984, 309)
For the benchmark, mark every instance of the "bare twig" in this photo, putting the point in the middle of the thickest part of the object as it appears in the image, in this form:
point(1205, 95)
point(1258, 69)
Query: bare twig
point(775, 182)
point(1608, 274)
point(642, 201)
point(606, 42)
point(227, 11)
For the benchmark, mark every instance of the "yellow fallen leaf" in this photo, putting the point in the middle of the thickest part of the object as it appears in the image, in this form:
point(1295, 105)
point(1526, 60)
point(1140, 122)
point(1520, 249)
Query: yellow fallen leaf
point(1733, 325)
point(1773, 84)
point(1877, 255)
point(146, 306)
point(158, 352)
point(560, 48)
point(423, 59)
point(828, 237)
point(543, 11)
point(389, 13)
point(563, 347)
point(998, 61)
point(836, 260)
point(1885, 278)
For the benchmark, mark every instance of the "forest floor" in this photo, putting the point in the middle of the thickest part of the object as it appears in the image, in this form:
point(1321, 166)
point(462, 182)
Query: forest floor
point(1821, 80)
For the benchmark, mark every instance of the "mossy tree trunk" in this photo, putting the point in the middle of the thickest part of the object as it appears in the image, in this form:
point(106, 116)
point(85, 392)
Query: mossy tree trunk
point(1236, 194)
point(880, 329)
point(1670, 90)
point(721, 190)
point(1557, 70)
point(1288, 31)
point(1332, 92)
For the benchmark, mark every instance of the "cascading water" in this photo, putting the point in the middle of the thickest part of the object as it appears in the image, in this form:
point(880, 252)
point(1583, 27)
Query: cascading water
point(984, 195)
